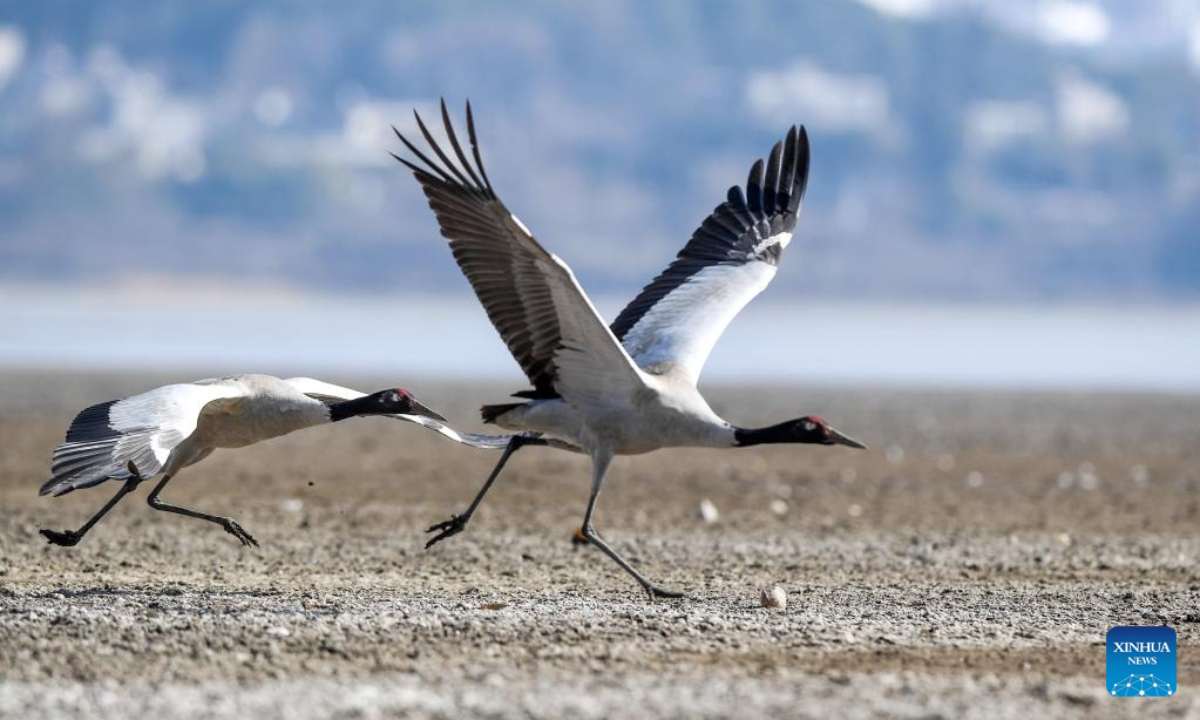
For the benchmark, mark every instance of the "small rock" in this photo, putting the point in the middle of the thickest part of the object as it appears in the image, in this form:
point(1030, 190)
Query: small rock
point(1139, 474)
point(779, 507)
point(279, 631)
point(291, 505)
point(776, 598)
point(708, 512)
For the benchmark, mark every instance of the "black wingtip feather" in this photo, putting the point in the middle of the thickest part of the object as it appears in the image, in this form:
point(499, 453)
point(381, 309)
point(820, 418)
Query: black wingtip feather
point(462, 158)
point(802, 164)
point(771, 188)
point(431, 167)
point(754, 190)
point(787, 174)
point(475, 149)
point(91, 424)
point(418, 171)
point(437, 149)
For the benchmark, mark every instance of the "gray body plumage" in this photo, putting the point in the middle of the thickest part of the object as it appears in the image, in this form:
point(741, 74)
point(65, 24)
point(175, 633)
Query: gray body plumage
point(171, 427)
point(168, 428)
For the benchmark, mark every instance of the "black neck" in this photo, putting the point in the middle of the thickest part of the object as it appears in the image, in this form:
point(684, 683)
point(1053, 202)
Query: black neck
point(781, 433)
point(367, 405)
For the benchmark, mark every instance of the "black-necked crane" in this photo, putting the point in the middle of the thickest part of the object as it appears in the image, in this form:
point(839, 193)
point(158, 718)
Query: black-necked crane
point(166, 429)
point(629, 388)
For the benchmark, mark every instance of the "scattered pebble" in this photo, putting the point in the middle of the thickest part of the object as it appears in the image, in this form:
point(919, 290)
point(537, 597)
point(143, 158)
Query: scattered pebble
point(1087, 476)
point(708, 512)
point(895, 454)
point(779, 507)
point(494, 606)
point(776, 598)
point(291, 505)
point(1064, 539)
point(854, 510)
point(945, 462)
point(279, 631)
point(975, 479)
point(1139, 474)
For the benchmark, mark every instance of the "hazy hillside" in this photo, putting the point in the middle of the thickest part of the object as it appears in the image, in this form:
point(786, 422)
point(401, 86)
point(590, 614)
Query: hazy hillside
point(958, 153)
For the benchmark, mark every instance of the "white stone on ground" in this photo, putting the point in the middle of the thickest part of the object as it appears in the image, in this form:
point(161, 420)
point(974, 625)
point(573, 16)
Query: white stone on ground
point(775, 598)
point(707, 512)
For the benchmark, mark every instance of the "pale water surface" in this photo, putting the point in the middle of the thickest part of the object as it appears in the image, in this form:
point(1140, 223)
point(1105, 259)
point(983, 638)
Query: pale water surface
point(929, 345)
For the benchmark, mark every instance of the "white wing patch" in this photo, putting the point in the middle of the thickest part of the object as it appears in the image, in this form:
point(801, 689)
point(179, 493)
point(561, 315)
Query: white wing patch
point(520, 224)
point(143, 429)
point(170, 412)
point(312, 387)
point(682, 328)
point(782, 239)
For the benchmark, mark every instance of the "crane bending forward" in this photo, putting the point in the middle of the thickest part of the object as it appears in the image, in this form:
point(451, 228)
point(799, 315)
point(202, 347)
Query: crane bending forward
point(164, 430)
point(629, 388)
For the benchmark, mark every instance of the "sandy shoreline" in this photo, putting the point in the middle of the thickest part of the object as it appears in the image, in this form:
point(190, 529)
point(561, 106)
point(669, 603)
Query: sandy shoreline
point(968, 566)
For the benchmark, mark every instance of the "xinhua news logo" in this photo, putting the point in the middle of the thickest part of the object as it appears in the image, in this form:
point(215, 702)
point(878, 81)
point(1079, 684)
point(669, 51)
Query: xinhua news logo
point(1141, 661)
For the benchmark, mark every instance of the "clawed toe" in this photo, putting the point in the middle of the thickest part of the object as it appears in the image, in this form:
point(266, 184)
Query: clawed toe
point(445, 529)
point(233, 528)
point(65, 539)
point(656, 592)
point(443, 525)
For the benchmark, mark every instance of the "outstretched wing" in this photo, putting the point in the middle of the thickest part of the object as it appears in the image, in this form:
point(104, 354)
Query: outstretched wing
point(675, 321)
point(331, 394)
point(530, 295)
point(142, 429)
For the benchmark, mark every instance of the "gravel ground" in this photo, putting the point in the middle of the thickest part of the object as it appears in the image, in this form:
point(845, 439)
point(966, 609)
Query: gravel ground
point(969, 565)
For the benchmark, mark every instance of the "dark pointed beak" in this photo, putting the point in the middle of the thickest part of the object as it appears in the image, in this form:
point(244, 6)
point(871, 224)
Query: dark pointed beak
point(419, 409)
point(839, 439)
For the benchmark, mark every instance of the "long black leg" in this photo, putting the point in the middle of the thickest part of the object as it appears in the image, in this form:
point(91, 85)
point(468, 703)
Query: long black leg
point(231, 526)
point(458, 523)
point(67, 538)
point(600, 462)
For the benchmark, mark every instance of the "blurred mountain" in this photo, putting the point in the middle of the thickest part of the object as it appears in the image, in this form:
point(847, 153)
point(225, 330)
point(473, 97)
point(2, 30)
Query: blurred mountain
point(967, 149)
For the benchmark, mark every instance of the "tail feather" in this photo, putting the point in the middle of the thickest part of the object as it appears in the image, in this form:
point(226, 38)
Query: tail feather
point(491, 412)
point(88, 455)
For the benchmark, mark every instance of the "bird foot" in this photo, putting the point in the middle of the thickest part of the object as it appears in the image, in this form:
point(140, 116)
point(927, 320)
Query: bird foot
point(655, 592)
point(67, 538)
point(233, 528)
point(447, 528)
